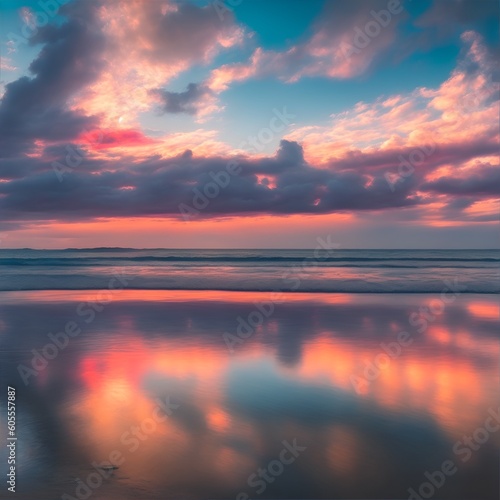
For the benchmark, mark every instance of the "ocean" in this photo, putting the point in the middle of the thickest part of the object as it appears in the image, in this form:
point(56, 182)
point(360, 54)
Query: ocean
point(246, 374)
point(341, 271)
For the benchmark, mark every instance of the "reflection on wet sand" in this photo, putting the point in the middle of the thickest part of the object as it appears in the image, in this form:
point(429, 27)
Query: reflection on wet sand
point(291, 379)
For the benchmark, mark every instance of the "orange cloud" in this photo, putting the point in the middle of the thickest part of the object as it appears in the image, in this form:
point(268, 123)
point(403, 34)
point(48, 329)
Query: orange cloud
point(149, 44)
point(458, 112)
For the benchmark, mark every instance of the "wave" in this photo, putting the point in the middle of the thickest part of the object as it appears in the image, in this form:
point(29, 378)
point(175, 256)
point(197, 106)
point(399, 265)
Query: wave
point(369, 284)
point(349, 261)
point(343, 271)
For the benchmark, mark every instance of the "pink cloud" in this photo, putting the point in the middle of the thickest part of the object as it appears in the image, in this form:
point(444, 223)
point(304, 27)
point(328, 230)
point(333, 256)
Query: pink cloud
point(461, 111)
point(6, 64)
point(347, 39)
point(103, 139)
point(147, 45)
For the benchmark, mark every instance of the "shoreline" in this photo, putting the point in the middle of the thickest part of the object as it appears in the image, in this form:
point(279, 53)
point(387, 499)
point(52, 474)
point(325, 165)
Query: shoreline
point(155, 295)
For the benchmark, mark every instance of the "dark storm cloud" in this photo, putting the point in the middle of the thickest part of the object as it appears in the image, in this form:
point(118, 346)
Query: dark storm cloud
point(19, 167)
point(71, 57)
point(158, 187)
point(483, 182)
point(387, 159)
point(280, 184)
point(189, 101)
point(36, 107)
point(290, 152)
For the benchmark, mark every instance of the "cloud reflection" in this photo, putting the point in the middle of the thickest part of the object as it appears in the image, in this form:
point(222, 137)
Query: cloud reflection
point(291, 379)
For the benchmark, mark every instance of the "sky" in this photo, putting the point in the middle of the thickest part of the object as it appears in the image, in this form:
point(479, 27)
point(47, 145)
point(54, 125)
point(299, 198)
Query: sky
point(249, 123)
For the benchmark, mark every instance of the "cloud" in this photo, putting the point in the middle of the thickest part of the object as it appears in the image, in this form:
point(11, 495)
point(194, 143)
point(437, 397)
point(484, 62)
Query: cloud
point(157, 187)
point(291, 153)
point(36, 107)
point(445, 20)
point(104, 139)
point(179, 31)
point(459, 118)
point(6, 64)
point(483, 181)
point(72, 97)
point(141, 45)
point(190, 101)
point(351, 38)
point(149, 44)
point(282, 184)
point(348, 38)
point(461, 12)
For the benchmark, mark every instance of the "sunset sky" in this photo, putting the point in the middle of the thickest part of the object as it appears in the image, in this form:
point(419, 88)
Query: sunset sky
point(374, 121)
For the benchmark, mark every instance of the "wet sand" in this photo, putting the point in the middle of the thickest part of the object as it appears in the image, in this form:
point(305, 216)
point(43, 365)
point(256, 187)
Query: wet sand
point(193, 392)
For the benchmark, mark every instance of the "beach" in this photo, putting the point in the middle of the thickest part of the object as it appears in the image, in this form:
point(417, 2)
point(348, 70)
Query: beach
point(249, 250)
point(215, 394)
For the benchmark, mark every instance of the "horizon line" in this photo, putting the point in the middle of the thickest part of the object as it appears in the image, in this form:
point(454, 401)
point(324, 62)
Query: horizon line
point(233, 249)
